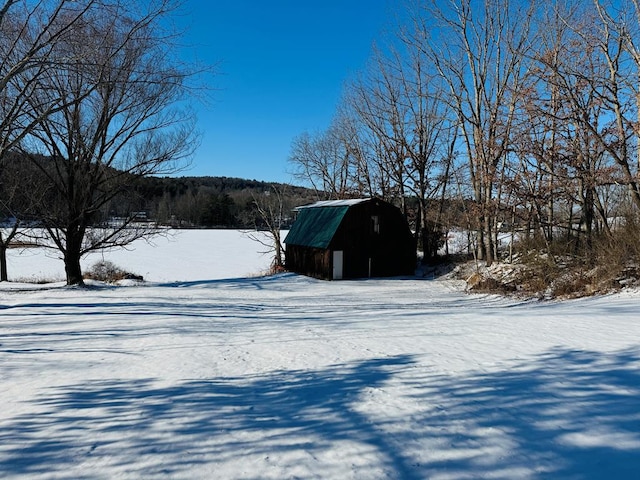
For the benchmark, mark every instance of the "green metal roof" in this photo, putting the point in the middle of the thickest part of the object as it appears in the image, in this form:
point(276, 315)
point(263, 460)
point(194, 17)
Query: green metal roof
point(315, 227)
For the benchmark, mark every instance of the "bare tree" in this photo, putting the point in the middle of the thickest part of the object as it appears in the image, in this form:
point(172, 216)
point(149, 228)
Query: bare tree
point(324, 160)
point(399, 105)
point(119, 120)
point(272, 210)
point(367, 178)
point(21, 193)
point(612, 37)
point(430, 135)
point(381, 108)
point(537, 180)
point(573, 122)
point(480, 53)
point(29, 32)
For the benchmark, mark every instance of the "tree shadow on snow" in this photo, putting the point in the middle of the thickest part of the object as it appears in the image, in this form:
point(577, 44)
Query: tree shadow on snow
point(566, 414)
point(262, 282)
point(563, 414)
point(166, 430)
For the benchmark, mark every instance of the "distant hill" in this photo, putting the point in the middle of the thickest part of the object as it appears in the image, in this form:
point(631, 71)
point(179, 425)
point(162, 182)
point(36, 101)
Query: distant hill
point(186, 202)
point(222, 202)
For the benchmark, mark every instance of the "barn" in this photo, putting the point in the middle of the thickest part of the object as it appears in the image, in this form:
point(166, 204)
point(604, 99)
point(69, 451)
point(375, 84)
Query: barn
point(359, 238)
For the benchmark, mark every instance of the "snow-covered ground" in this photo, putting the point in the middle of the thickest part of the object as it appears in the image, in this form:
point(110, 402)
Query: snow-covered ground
point(208, 371)
point(174, 256)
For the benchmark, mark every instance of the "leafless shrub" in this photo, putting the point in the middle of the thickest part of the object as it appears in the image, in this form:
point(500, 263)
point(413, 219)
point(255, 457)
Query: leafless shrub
point(105, 271)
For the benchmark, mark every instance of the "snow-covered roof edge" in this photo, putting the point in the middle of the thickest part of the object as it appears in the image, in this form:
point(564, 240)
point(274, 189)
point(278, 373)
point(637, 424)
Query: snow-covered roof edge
point(335, 203)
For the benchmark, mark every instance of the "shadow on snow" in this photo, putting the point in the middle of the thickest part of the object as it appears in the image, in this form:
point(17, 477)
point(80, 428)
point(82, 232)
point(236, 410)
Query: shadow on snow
point(171, 427)
point(563, 414)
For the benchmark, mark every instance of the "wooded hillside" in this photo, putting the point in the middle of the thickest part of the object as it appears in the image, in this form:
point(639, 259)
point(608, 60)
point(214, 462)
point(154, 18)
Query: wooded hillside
point(221, 202)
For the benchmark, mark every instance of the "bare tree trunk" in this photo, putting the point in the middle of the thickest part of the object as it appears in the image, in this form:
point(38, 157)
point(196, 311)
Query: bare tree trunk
point(4, 277)
point(74, 235)
point(5, 241)
point(72, 268)
point(487, 236)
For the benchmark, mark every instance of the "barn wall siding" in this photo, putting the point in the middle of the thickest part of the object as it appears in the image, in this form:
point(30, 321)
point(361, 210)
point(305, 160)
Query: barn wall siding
point(310, 261)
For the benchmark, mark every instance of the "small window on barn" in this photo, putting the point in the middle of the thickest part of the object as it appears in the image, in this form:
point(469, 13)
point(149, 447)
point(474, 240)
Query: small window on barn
point(375, 223)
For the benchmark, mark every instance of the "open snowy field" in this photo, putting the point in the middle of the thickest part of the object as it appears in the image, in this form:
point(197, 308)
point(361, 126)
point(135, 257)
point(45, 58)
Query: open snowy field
point(178, 255)
point(208, 371)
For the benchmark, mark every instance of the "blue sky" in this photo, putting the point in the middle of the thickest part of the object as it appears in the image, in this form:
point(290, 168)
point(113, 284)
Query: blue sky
point(281, 68)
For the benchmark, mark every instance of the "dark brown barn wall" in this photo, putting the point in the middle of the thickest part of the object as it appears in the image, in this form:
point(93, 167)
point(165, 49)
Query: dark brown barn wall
point(313, 262)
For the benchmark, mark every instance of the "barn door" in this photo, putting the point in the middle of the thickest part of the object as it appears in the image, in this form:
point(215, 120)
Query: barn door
point(338, 256)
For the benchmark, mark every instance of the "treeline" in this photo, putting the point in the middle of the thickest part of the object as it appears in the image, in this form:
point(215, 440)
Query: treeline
point(215, 202)
point(525, 114)
point(181, 202)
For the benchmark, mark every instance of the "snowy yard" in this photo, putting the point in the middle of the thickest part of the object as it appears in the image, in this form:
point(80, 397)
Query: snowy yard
point(208, 371)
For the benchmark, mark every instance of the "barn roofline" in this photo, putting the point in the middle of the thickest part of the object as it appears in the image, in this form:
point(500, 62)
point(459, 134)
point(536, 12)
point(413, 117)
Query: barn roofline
point(334, 203)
